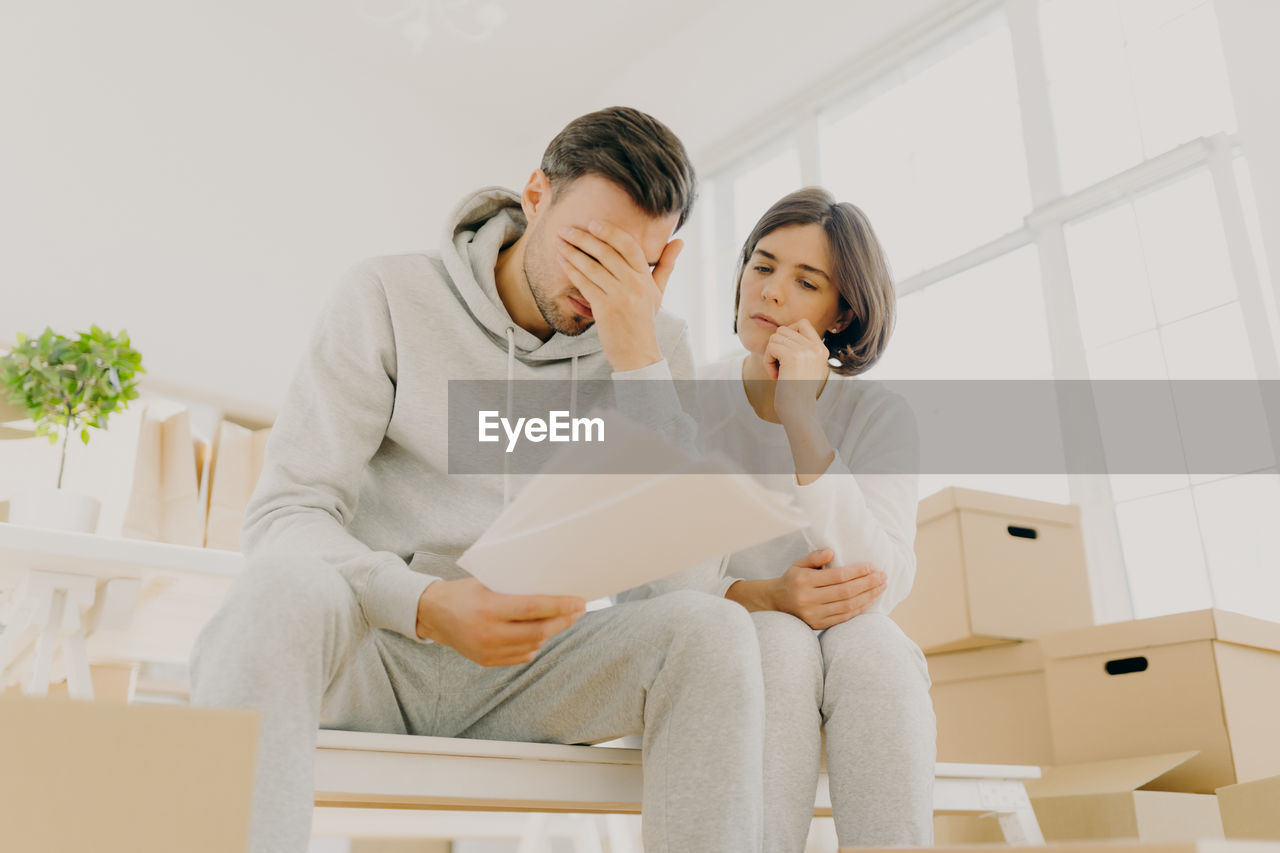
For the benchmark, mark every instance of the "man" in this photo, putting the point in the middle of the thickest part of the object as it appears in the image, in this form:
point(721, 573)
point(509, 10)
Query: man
point(352, 612)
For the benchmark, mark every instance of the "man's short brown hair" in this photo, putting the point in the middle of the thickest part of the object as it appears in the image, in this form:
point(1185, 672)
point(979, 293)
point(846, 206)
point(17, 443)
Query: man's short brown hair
point(633, 150)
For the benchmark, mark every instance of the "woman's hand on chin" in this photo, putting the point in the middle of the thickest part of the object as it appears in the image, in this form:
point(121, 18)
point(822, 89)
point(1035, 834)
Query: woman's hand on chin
point(797, 357)
point(824, 597)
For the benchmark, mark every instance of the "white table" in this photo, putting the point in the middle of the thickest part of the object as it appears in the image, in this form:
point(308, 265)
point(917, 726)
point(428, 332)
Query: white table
point(66, 586)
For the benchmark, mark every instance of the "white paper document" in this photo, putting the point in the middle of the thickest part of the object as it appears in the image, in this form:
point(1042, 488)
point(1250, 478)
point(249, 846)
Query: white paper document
point(595, 535)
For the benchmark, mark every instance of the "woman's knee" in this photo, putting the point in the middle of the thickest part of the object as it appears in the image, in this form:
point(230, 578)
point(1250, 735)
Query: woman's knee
point(872, 645)
point(789, 650)
point(782, 628)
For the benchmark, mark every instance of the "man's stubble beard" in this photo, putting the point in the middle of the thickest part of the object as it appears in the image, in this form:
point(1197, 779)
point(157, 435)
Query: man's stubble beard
point(537, 271)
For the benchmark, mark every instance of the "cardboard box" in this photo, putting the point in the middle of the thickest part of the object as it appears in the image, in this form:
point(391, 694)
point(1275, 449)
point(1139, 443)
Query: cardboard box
point(1207, 681)
point(992, 569)
point(1251, 809)
point(1211, 846)
point(991, 705)
point(86, 776)
point(951, 830)
point(1101, 800)
point(1109, 799)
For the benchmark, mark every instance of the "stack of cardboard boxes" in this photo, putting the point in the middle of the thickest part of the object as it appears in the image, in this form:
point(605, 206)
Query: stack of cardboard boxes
point(1162, 729)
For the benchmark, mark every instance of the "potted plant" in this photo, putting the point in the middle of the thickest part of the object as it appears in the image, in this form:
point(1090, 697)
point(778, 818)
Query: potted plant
point(67, 386)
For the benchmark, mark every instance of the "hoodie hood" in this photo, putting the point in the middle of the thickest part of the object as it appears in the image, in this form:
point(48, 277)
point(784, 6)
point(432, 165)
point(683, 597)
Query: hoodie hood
point(477, 230)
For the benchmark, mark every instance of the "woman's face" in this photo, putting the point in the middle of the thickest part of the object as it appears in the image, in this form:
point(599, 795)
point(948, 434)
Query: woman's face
point(787, 279)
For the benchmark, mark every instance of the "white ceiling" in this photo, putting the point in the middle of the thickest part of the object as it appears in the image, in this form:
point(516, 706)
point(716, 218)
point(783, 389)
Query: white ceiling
point(549, 50)
point(704, 66)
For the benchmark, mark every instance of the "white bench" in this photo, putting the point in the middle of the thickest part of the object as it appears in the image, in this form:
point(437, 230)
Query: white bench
point(362, 771)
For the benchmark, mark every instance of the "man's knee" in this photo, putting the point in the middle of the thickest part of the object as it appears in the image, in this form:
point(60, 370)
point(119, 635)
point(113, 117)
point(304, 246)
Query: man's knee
point(713, 629)
point(274, 605)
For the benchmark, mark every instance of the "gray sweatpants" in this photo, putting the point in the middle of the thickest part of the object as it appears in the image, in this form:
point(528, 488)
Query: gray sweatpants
point(866, 685)
point(683, 669)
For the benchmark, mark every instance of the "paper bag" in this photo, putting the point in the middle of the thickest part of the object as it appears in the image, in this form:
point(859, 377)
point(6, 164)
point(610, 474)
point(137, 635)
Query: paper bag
point(164, 501)
point(237, 463)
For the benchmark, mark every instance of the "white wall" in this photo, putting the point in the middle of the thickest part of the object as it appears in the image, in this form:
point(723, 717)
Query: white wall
point(200, 175)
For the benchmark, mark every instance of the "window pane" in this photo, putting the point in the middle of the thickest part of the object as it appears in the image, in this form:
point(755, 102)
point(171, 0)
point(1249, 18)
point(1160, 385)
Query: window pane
point(1156, 260)
point(1131, 79)
point(1238, 520)
point(1179, 75)
point(1212, 345)
point(935, 155)
point(1110, 276)
point(985, 323)
point(1136, 357)
point(1149, 264)
point(1185, 247)
point(1163, 555)
point(755, 190)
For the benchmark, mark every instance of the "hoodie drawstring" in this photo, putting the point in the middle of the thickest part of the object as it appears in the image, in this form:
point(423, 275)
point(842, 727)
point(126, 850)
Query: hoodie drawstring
point(511, 375)
point(573, 388)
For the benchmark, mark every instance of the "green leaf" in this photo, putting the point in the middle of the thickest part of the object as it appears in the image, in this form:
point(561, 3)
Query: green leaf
point(70, 383)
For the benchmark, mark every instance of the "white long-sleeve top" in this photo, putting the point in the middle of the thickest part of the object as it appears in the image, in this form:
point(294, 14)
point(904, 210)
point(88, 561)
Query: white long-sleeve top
point(862, 515)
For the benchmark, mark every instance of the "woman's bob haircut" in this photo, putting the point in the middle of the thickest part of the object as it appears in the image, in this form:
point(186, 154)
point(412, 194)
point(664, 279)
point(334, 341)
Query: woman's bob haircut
point(859, 271)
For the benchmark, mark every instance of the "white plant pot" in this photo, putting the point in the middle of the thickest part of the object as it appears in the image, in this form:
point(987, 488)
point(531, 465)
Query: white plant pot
point(57, 509)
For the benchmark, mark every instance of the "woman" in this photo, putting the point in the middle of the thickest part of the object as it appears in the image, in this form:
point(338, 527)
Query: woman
point(814, 308)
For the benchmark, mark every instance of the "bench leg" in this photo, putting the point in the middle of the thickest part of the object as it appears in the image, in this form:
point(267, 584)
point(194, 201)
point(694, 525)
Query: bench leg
point(822, 836)
point(585, 833)
point(1021, 827)
point(51, 610)
point(622, 832)
point(535, 838)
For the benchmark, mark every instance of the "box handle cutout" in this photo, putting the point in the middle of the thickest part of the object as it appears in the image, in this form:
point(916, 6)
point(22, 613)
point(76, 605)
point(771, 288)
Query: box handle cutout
point(1124, 666)
point(1022, 532)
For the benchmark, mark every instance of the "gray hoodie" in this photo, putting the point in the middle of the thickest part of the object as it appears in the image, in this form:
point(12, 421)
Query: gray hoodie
point(355, 474)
